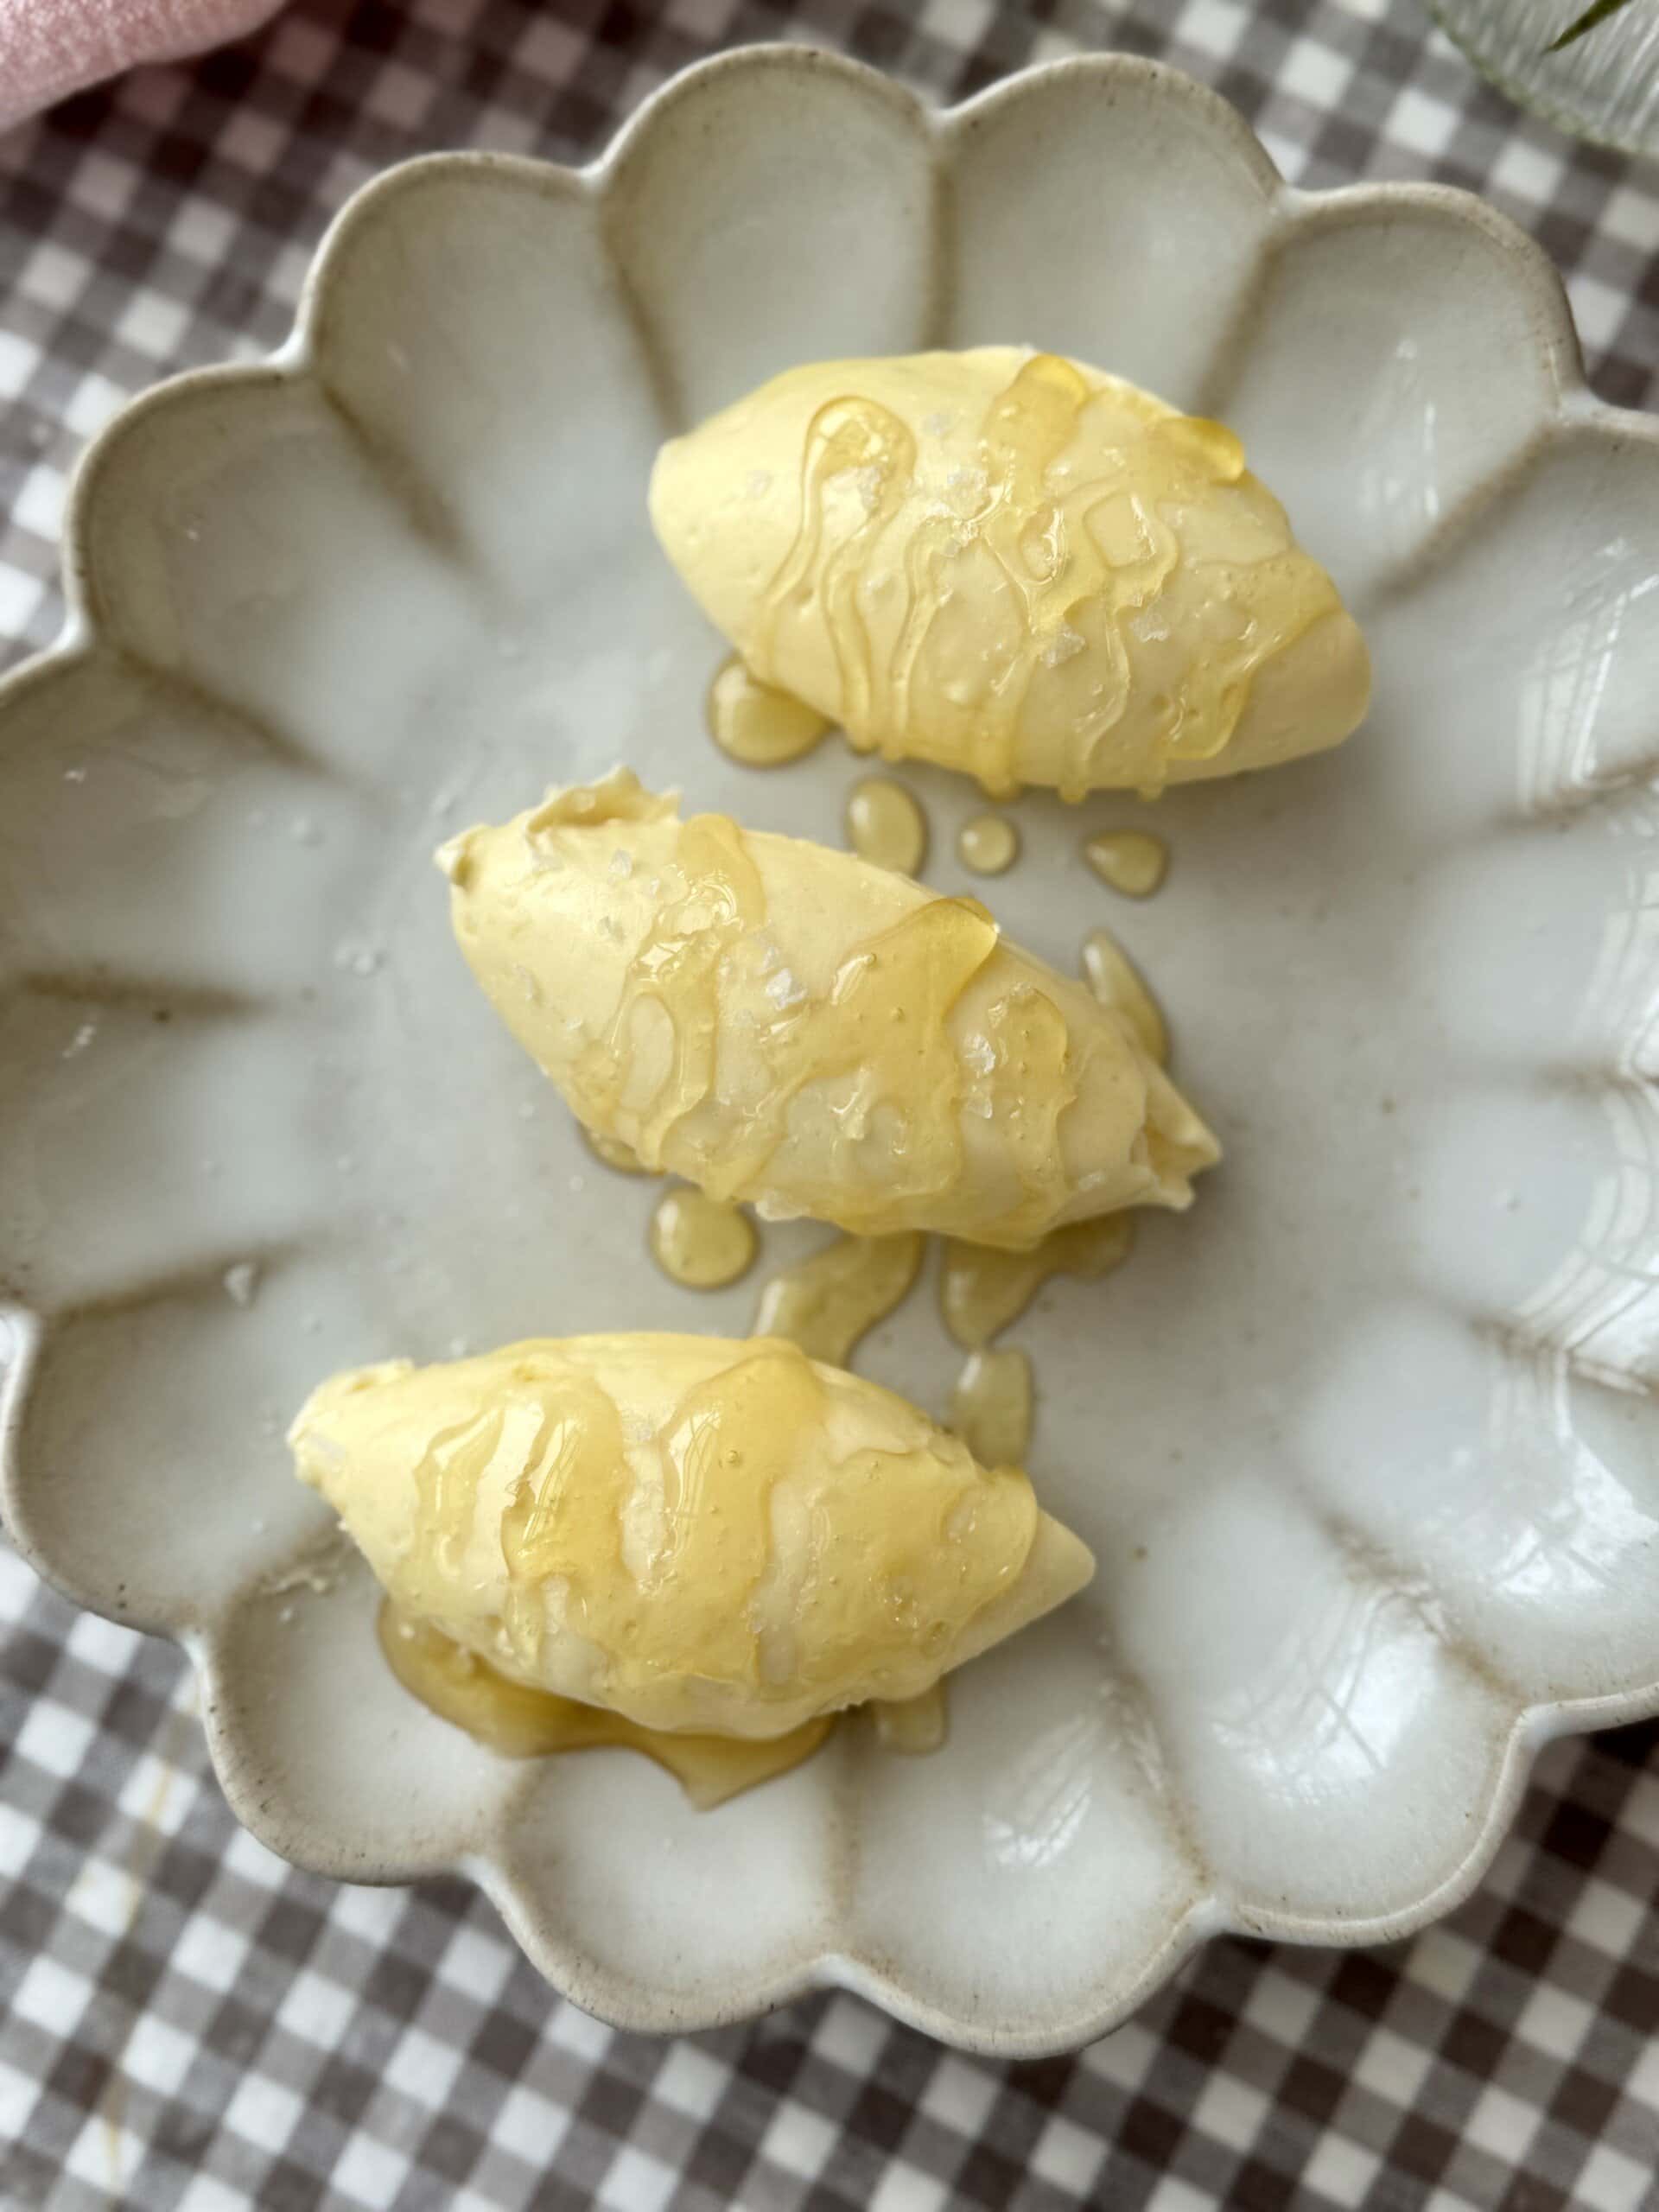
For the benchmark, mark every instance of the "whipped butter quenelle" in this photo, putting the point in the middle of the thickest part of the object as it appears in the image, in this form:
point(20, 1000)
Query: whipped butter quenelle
point(1012, 564)
point(700, 1547)
point(786, 1025)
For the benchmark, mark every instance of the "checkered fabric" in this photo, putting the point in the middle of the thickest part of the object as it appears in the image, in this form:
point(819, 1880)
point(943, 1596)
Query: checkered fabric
point(189, 2022)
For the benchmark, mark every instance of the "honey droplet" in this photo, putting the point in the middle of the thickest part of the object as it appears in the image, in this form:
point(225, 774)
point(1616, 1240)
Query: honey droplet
point(885, 825)
point(1117, 982)
point(522, 1723)
point(700, 1242)
point(911, 1725)
point(990, 1408)
point(826, 1302)
point(613, 1152)
point(982, 1290)
point(1133, 862)
point(1213, 444)
point(754, 722)
point(989, 844)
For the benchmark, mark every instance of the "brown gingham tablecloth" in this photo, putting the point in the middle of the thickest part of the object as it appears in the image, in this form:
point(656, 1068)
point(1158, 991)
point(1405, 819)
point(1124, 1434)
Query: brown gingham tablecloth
point(187, 2022)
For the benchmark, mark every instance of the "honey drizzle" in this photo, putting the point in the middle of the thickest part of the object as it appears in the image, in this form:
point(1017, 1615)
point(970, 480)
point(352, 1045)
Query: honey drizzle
point(885, 825)
point(885, 1010)
point(982, 1290)
point(913, 1726)
point(611, 1152)
point(702, 1012)
point(522, 1723)
point(825, 1303)
point(1119, 985)
point(719, 900)
point(1132, 862)
point(1074, 561)
point(756, 724)
point(523, 1460)
point(989, 844)
point(701, 1243)
point(991, 1406)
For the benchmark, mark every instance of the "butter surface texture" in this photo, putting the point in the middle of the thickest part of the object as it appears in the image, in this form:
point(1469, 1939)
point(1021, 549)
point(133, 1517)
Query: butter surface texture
point(785, 1023)
point(697, 1532)
point(1012, 564)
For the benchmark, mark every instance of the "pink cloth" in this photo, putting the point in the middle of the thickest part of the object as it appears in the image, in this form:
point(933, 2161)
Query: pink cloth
point(49, 48)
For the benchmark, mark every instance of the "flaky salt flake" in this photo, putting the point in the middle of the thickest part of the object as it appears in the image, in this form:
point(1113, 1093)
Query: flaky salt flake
point(1065, 645)
point(867, 483)
point(772, 1206)
point(544, 857)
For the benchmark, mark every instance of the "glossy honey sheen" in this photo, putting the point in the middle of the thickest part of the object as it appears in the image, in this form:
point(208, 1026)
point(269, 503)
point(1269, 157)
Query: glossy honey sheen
point(886, 824)
point(753, 723)
point(611, 1152)
point(826, 1302)
point(991, 1407)
point(675, 1528)
point(522, 1723)
point(783, 1025)
point(1009, 564)
point(988, 844)
point(916, 1727)
point(1118, 983)
point(1132, 862)
point(699, 1242)
point(983, 1291)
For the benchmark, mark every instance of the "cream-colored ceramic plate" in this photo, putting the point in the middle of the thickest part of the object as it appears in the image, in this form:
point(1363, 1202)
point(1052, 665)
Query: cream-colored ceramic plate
point(1365, 1443)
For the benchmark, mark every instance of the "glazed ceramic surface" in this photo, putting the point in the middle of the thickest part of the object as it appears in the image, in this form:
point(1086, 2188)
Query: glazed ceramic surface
point(1603, 84)
point(1366, 1443)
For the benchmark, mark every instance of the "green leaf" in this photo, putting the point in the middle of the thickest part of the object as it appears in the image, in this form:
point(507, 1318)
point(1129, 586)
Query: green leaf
point(1597, 12)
